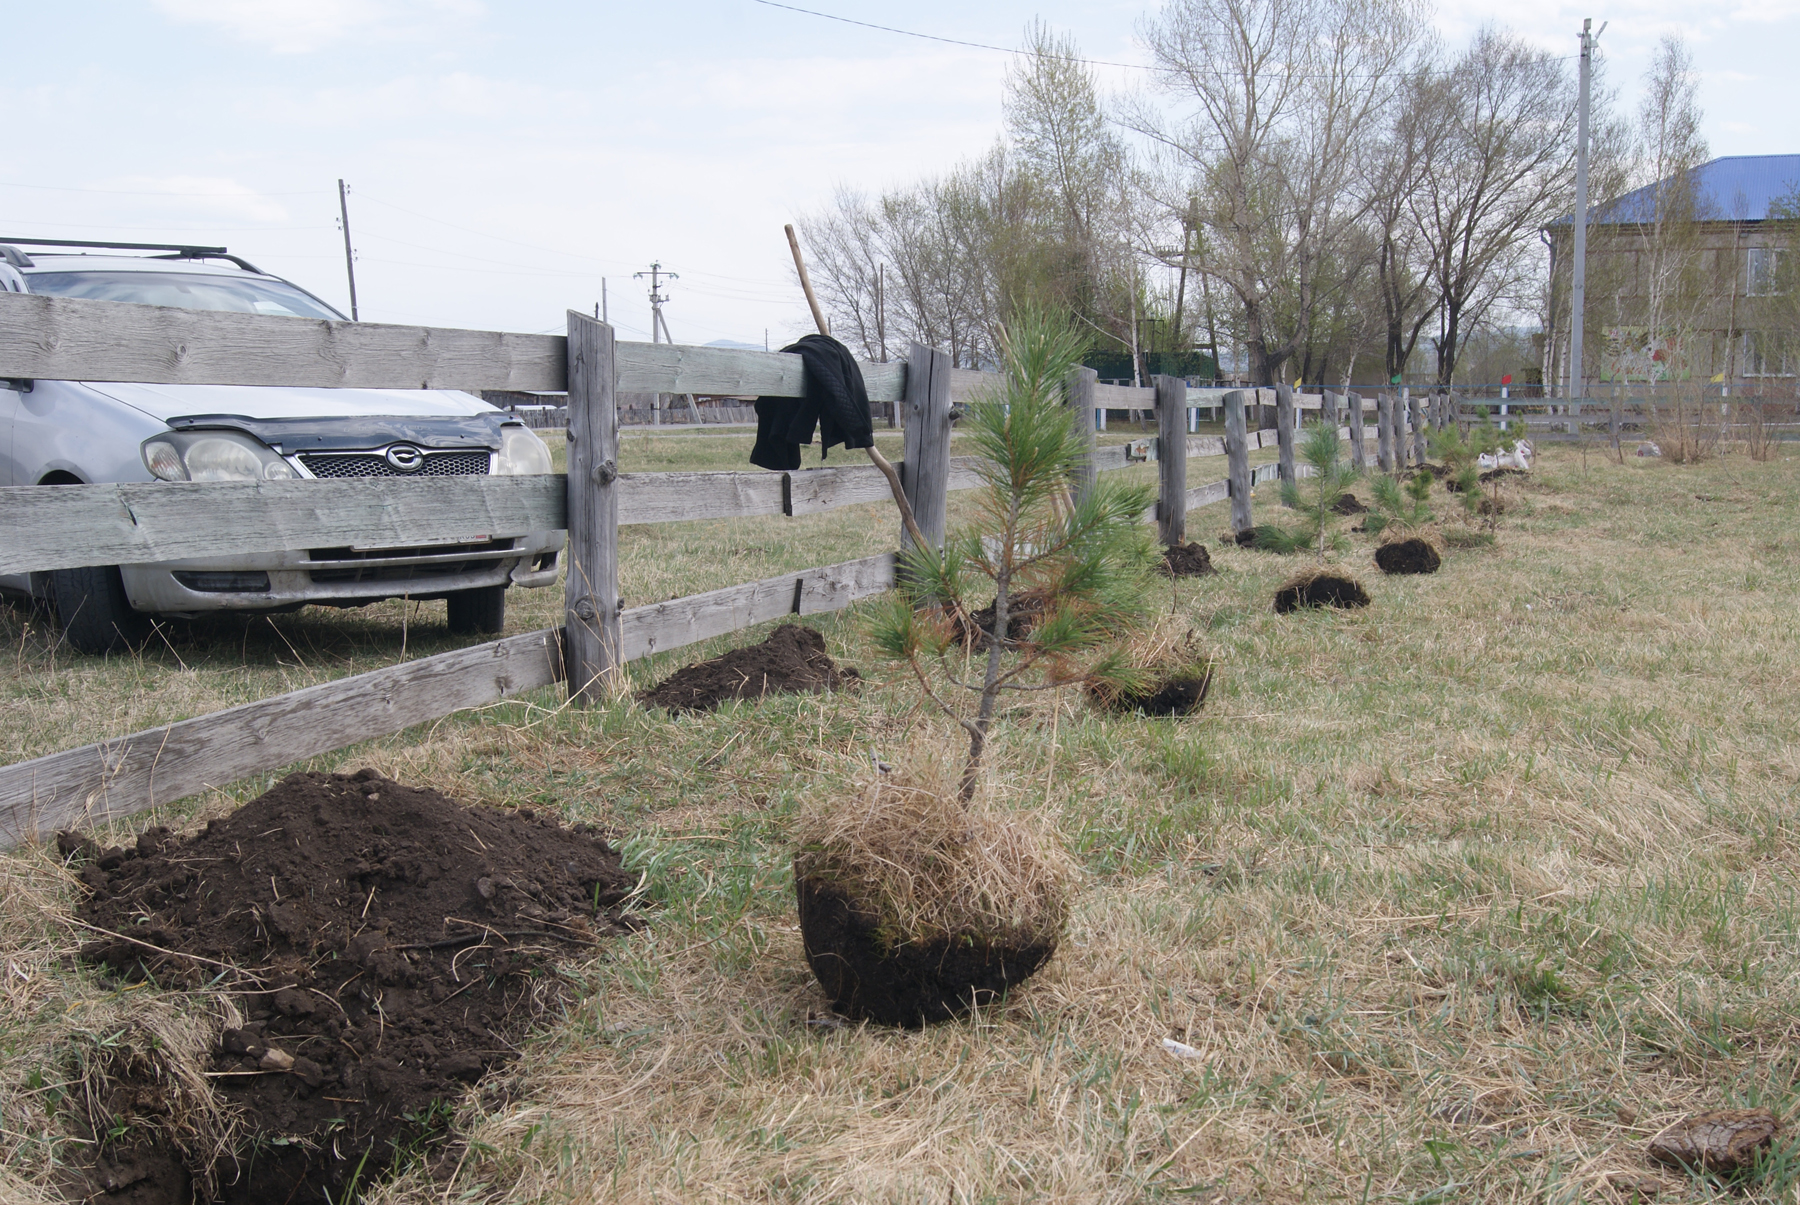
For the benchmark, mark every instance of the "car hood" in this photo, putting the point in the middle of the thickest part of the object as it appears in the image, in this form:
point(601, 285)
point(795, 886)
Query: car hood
point(278, 402)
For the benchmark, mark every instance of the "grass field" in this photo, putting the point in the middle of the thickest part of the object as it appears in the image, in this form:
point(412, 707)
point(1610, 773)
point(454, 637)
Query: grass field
point(1460, 897)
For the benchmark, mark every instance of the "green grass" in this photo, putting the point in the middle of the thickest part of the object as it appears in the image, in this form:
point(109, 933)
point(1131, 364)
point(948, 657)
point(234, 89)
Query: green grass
point(1461, 897)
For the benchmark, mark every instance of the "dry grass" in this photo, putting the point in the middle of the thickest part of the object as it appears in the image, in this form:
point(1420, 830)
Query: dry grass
point(1458, 897)
point(908, 848)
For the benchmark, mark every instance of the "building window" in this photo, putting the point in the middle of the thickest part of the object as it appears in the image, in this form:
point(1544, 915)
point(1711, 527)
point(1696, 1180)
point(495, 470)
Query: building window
point(1760, 267)
point(1767, 354)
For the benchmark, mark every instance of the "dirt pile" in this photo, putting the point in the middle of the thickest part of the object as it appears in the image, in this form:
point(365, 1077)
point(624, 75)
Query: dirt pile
point(1186, 560)
point(1320, 589)
point(385, 946)
point(1414, 554)
point(1347, 504)
point(792, 660)
point(1023, 613)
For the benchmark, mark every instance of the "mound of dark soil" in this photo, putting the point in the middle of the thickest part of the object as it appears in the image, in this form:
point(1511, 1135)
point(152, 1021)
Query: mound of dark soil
point(1186, 560)
point(1177, 694)
point(1495, 474)
point(1023, 613)
point(1411, 555)
point(912, 985)
point(387, 946)
point(792, 660)
point(1347, 504)
point(1320, 590)
point(1491, 506)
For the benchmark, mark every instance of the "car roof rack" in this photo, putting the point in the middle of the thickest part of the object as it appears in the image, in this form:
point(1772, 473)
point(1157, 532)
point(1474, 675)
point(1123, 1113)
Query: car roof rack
point(9, 250)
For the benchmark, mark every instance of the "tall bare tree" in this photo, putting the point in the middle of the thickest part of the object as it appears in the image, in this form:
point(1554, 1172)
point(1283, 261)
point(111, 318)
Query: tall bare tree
point(1503, 171)
point(1281, 97)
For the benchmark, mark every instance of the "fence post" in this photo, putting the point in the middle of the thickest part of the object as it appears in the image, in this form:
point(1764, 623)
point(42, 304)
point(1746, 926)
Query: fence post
point(1237, 452)
point(592, 639)
point(1171, 459)
point(1284, 431)
point(1384, 431)
point(1328, 409)
point(925, 476)
point(1081, 400)
point(1613, 419)
point(1415, 419)
point(1359, 455)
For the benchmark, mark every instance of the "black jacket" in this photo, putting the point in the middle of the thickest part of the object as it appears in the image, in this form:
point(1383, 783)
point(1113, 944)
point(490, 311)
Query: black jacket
point(836, 402)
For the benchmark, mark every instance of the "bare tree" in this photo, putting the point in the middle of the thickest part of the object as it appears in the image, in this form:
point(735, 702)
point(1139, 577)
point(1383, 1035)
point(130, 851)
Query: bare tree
point(1504, 170)
point(1282, 97)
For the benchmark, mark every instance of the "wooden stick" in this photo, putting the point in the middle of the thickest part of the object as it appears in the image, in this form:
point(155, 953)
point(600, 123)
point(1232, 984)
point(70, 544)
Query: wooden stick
point(880, 461)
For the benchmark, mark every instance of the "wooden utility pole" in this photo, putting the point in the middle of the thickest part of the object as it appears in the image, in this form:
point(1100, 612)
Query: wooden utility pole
point(349, 254)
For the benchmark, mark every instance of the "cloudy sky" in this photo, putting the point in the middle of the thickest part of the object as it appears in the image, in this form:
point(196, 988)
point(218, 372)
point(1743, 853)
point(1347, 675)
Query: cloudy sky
point(505, 158)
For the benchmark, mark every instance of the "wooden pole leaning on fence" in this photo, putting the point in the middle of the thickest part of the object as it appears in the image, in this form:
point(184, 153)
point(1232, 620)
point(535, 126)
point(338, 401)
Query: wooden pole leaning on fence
point(925, 473)
point(895, 486)
point(1284, 432)
point(1237, 452)
point(1171, 460)
point(592, 639)
point(1080, 389)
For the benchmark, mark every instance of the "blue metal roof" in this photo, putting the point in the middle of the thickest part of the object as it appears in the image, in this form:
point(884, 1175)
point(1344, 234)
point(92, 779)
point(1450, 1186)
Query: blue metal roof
point(1736, 188)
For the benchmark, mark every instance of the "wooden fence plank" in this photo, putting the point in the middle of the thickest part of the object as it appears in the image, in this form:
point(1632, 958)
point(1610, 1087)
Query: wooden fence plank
point(678, 497)
point(118, 777)
point(813, 490)
point(591, 583)
point(668, 625)
point(63, 338)
point(1205, 445)
point(1208, 494)
point(45, 527)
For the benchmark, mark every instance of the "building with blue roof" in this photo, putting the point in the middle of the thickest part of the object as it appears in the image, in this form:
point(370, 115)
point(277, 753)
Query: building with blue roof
point(1709, 273)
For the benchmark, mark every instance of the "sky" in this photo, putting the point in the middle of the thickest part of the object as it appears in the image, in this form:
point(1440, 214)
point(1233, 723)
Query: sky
point(504, 159)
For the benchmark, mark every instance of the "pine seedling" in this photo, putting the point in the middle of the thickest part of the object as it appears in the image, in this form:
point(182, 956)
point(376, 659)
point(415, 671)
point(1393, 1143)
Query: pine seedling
point(1313, 497)
point(1405, 508)
point(1071, 578)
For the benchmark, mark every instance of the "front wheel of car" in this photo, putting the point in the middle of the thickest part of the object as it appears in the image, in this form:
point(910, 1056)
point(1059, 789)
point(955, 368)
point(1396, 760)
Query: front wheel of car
point(95, 614)
point(477, 611)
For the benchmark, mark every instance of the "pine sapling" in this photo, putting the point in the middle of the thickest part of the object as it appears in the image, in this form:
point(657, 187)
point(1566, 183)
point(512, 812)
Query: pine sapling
point(1316, 497)
point(1070, 577)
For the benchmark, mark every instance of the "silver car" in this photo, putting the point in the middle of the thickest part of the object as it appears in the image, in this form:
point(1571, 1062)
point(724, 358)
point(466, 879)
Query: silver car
point(77, 432)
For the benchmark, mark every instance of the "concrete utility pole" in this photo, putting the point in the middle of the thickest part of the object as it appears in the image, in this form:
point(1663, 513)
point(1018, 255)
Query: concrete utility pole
point(349, 255)
point(1578, 268)
point(657, 275)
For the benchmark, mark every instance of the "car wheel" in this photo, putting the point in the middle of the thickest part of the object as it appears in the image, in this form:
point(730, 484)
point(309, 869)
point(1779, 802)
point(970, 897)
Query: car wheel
point(95, 615)
point(477, 611)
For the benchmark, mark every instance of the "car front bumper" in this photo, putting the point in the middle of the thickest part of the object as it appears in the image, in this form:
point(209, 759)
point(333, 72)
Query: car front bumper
point(340, 576)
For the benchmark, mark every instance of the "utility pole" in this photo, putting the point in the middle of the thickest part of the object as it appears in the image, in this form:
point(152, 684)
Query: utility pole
point(657, 275)
point(1578, 268)
point(603, 316)
point(349, 255)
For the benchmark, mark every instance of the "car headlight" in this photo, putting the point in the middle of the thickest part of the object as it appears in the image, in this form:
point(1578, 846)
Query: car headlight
point(521, 453)
point(213, 456)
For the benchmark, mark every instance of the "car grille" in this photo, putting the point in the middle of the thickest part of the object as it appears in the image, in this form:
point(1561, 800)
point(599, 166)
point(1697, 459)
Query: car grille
point(371, 464)
point(327, 565)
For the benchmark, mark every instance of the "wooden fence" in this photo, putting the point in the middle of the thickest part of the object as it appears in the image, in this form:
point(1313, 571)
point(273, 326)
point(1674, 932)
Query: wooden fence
point(55, 527)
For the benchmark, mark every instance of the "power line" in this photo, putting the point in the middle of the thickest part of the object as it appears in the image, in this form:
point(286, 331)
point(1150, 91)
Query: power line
point(931, 37)
point(163, 192)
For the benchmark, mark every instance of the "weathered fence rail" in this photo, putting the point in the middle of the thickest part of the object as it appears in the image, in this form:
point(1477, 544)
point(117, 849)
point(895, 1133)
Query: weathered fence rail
point(55, 527)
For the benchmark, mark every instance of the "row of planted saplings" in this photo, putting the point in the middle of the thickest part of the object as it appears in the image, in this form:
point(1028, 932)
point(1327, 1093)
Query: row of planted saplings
point(1472, 461)
point(918, 901)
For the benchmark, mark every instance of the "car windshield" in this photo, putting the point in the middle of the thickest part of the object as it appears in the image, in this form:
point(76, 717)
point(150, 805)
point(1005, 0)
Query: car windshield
point(242, 295)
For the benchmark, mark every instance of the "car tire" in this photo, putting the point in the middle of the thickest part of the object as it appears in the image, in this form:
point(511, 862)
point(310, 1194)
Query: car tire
point(93, 611)
point(474, 612)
